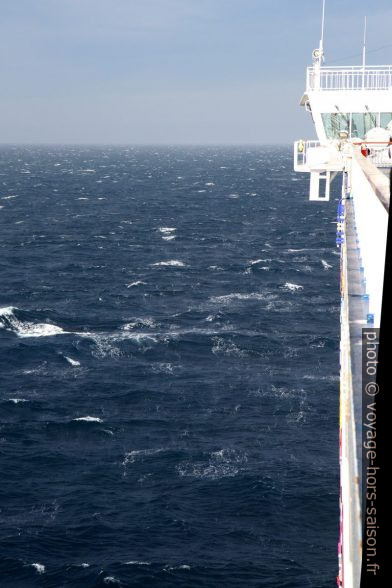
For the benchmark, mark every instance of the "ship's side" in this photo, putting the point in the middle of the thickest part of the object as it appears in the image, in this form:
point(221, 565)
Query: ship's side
point(352, 111)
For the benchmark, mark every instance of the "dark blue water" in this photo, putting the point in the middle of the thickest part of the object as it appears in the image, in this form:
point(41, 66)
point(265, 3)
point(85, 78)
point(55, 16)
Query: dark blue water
point(169, 364)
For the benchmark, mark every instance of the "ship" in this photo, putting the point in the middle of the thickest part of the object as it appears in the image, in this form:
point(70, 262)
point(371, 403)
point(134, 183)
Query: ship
point(351, 108)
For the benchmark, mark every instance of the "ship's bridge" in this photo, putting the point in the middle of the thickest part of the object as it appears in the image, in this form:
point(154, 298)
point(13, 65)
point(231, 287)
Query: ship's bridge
point(352, 100)
point(350, 106)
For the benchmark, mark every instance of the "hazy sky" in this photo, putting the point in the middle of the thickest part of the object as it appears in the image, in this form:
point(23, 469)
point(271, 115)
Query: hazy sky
point(171, 71)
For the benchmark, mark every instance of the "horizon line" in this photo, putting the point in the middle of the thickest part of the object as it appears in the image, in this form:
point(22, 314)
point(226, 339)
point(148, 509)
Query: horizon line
point(152, 144)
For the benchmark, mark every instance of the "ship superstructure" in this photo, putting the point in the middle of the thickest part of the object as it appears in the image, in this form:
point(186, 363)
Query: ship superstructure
point(351, 108)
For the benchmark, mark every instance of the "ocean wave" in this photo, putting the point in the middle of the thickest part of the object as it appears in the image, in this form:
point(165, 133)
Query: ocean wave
point(256, 261)
point(225, 463)
point(166, 230)
point(73, 362)
point(327, 266)
point(223, 347)
point(330, 378)
point(170, 263)
point(40, 568)
point(227, 298)
point(137, 283)
point(302, 249)
point(139, 322)
point(111, 580)
point(10, 322)
point(139, 454)
point(289, 287)
point(164, 368)
point(89, 419)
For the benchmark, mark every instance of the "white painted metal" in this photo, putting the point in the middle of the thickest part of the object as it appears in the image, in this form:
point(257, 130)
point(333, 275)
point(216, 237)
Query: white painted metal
point(372, 224)
point(350, 529)
point(314, 193)
point(381, 157)
point(348, 78)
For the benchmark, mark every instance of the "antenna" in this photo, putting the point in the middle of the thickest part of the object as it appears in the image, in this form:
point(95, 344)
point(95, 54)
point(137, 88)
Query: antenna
point(322, 28)
point(318, 54)
point(364, 44)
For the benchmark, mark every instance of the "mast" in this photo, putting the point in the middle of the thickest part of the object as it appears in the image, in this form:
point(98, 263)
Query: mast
point(318, 54)
point(364, 53)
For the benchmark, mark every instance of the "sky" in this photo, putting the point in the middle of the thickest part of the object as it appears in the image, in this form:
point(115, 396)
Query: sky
point(172, 71)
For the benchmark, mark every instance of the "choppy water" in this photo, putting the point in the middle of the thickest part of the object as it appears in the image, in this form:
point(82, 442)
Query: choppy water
point(169, 363)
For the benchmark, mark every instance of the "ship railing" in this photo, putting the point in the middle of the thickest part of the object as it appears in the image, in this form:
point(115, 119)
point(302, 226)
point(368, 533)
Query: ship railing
point(377, 77)
point(379, 153)
point(300, 152)
point(371, 196)
point(311, 156)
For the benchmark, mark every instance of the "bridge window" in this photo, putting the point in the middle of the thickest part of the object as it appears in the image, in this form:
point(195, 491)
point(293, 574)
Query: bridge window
point(356, 124)
point(335, 122)
point(385, 118)
point(362, 122)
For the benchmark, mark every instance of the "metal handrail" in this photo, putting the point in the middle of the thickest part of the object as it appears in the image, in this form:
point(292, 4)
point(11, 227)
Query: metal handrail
point(378, 77)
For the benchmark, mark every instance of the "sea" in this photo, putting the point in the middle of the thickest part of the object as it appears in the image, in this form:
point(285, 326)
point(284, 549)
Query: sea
point(169, 359)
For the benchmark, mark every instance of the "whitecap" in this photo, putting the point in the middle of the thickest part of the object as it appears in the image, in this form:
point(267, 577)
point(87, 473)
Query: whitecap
point(137, 283)
point(139, 454)
point(256, 261)
point(17, 400)
point(291, 287)
point(227, 298)
point(161, 367)
point(139, 337)
point(327, 266)
point(137, 563)
point(89, 419)
point(171, 263)
point(40, 568)
point(7, 310)
point(73, 362)
point(139, 322)
point(215, 268)
point(169, 238)
point(111, 580)
point(209, 184)
point(298, 250)
point(39, 330)
point(104, 346)
point(27, 328)
point(166, 229)
point(221, 346)
point(225, 463)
